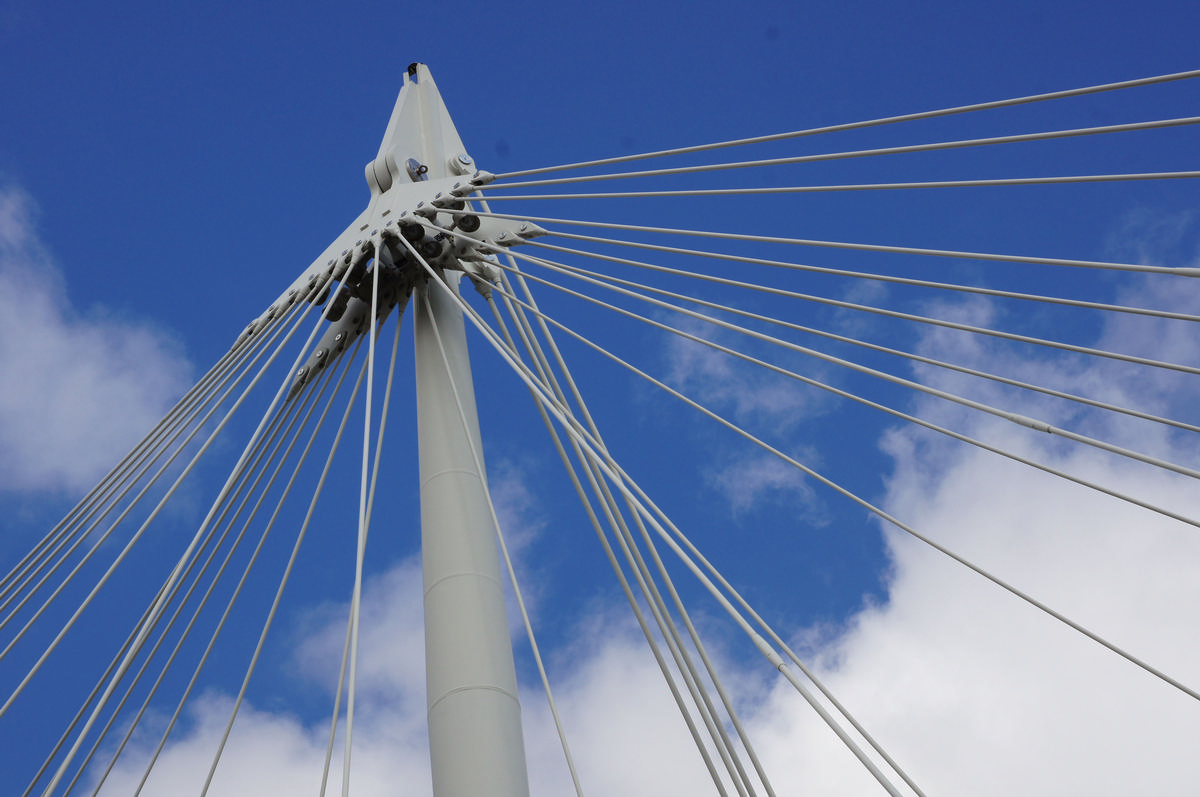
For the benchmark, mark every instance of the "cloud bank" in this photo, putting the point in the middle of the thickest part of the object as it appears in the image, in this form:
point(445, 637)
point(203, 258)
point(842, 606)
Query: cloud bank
point(970, 689)
point(79, 388)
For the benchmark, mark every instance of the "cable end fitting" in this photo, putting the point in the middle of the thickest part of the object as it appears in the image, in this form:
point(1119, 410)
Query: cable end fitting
point(482, 178)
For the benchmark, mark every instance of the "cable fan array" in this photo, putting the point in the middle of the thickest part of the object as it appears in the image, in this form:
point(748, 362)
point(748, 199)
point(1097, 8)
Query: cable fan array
point(579, 292)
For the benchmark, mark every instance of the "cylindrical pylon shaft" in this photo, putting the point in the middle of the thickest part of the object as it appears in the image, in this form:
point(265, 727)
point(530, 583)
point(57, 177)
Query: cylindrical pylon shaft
point(475, 738)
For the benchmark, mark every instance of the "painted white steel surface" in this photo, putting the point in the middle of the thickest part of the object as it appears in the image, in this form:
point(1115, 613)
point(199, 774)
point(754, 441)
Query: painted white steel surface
point(475, 742)
point(474, 718)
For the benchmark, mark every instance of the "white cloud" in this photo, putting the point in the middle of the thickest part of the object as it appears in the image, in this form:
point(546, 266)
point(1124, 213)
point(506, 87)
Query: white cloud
point(747, 393)
point(979, 693)
point(625, 732)
point(266, 754)
point(751, 481)
point(276, 753)
point(856, 323)
point(972, 690)
point(760, 401)
point(1151, 237)
point(961, 679)
point(78, 388)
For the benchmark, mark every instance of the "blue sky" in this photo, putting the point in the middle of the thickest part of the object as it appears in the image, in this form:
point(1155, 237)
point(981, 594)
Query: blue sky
point(166, 171)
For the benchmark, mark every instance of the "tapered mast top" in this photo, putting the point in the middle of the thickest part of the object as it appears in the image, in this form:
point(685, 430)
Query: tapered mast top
point(421, 142)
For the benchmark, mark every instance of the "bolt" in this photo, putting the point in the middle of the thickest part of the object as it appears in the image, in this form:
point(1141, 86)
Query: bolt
point(464, 159)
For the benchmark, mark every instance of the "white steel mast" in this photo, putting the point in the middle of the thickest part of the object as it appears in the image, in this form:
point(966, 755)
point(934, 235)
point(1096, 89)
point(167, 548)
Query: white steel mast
point(475, 738)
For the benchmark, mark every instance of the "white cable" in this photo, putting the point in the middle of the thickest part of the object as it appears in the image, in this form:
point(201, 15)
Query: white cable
point(995, 333)
point(187, 554)
point(903, 250)
point(96, 516)
point(595, 431)
point(654, 595)
point(979, 106)
point(110, 482)
point(812, 189)
point(350, 616)
point(1156, 124)
point(874, 510)
point(311, 402)
point(271, 438)
point(62, 739)
point(615, 519)
point(337, 705)
point(99, 542)
point(637, 286)
point(434, 277)
point(1020, 420)
point(867, 275)
point(282, 584)
point(900, 415)
point(512, 574)
point(616, 476)
point(363, 520)
point(129, 545)
point(651, 642)
point(113, 664)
